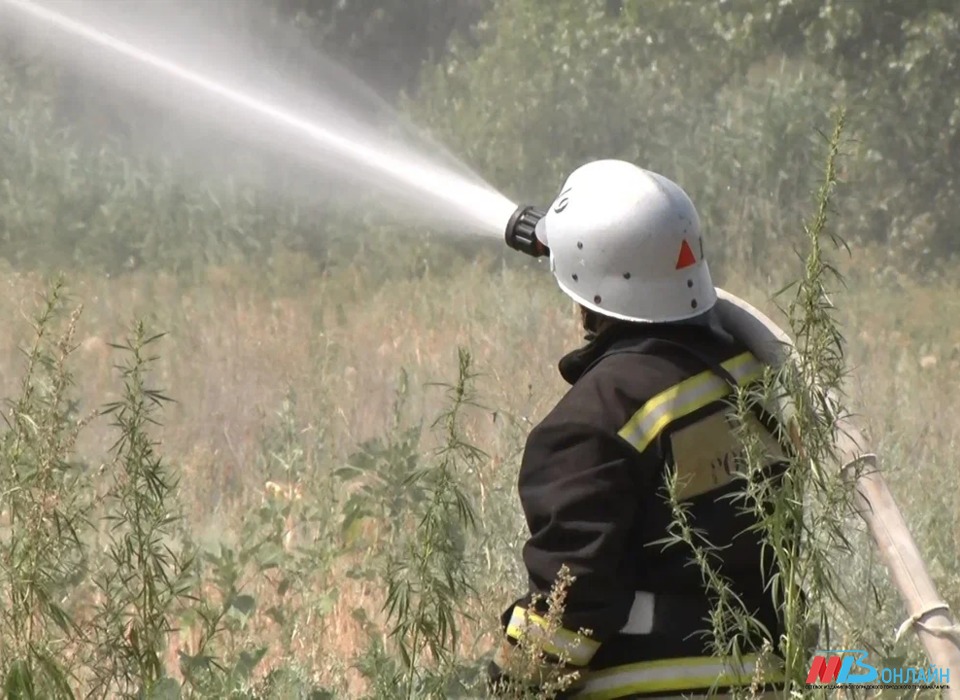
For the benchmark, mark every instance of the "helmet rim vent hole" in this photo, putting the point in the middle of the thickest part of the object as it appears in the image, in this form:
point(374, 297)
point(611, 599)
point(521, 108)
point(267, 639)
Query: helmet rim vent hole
point(690, 284)
point(575, 278)
point(580, 245)
point(597, 299)
point(626, 275)
point(693, 304)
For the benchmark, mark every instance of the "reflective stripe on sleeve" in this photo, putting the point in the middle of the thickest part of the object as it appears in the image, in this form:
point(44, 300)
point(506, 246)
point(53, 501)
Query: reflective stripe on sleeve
point(672, 675)
point(576, 649)
point(686, 397)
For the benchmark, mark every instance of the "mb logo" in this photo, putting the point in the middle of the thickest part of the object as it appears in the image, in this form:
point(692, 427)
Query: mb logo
point(849, 666)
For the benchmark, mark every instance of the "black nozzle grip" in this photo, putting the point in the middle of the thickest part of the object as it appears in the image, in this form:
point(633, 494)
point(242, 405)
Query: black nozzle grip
point(521, 231)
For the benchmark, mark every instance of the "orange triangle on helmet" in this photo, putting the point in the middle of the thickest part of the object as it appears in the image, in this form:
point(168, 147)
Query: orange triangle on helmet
point(686, 257)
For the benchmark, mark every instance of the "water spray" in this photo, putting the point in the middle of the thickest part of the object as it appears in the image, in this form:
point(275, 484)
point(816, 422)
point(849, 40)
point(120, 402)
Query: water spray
point(476, 205)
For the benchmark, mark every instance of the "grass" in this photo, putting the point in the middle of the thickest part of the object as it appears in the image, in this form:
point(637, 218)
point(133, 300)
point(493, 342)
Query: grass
point(299, 451)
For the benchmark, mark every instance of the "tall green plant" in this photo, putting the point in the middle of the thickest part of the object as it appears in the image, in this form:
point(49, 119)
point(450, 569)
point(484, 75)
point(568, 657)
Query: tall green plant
point(44, 507)
point(814, 493)
point(802, 515)
point(146, 574)
point(427, 576)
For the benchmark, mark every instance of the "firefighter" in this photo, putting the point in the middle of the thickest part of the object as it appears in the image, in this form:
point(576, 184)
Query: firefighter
point(648, 402)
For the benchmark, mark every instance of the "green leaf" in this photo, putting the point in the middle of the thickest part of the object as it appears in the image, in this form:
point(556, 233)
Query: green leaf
point(54, 675)
point(355, 511)
point(350, 528)
point(276, 614)
point(244, 604)
point(269, 556)
point(248, 661)
point(326, 602)
point(60, 617)
point(18, 684)
point(347, 473)
point(190, 665)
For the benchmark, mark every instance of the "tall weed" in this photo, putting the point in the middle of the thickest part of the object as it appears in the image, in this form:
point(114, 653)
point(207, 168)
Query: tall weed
point(44, 514)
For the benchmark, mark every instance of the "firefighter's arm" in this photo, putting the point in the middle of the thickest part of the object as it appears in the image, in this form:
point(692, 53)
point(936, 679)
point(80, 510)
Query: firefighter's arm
point(579, 491)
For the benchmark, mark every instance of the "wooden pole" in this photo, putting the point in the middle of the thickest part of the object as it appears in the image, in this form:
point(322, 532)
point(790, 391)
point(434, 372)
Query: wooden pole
point(929, 616)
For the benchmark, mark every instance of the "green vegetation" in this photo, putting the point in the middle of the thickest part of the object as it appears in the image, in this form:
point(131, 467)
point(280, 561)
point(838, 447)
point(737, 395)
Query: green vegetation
point(326, 507)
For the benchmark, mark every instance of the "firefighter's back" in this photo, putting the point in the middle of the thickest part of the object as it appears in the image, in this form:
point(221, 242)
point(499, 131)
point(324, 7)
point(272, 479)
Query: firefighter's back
point(664, 395)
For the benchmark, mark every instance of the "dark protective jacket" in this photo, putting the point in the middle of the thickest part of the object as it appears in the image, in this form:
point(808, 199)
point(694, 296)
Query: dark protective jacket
point(593, 489)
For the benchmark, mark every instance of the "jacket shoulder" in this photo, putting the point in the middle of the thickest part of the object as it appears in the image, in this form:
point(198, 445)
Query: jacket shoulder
point(615, 387)
point(620, 383)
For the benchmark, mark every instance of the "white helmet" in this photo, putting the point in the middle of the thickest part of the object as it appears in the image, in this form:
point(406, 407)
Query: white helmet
point(626, 243)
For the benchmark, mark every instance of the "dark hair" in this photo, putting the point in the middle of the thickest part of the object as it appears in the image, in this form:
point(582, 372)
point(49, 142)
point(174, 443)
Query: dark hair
point(593, 321)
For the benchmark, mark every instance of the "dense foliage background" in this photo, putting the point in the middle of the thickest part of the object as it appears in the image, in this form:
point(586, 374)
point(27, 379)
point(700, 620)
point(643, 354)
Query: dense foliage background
point(724, 97)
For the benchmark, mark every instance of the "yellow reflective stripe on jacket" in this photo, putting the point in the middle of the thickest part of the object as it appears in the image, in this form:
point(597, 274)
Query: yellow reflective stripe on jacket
point(686, 397)
point(672, 675)
point(576, 649)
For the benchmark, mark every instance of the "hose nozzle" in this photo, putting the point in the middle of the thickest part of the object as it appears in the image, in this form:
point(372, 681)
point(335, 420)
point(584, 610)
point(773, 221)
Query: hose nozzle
point(520, 233)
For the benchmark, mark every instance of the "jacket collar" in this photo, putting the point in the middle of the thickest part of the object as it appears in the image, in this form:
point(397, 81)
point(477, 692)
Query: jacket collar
point(622, 334)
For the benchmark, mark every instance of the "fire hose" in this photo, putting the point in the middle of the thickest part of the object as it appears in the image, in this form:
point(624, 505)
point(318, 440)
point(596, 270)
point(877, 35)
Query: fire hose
point(928, 615)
